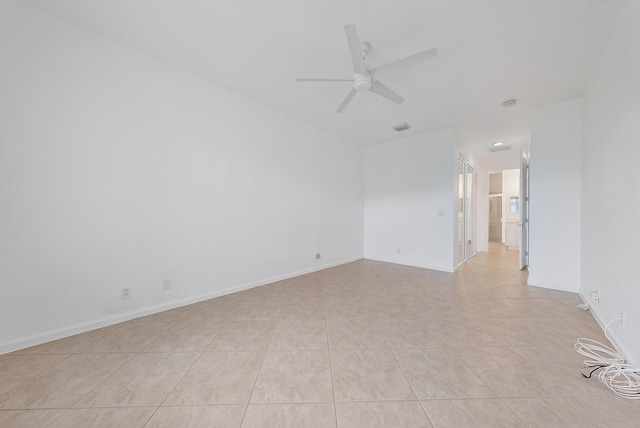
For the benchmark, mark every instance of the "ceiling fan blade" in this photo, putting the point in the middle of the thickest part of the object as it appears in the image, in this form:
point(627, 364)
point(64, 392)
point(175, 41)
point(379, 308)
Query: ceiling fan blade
point(385, 92)
point(401, 64)
point(313, 79)
point(354, 47)
point(346, 100)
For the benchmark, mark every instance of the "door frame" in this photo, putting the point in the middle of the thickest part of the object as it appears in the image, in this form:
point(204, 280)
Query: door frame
point(525, 178)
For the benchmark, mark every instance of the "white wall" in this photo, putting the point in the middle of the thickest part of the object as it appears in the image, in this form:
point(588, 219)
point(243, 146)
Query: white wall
point(611, 183)
point(408, 183)
point(117, 169)
point(554, 234)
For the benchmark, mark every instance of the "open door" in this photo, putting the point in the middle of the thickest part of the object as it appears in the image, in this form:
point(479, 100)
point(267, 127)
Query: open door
point(523, 245)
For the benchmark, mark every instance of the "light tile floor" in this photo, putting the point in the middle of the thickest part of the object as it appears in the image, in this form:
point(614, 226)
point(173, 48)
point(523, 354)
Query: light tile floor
point(367, 344)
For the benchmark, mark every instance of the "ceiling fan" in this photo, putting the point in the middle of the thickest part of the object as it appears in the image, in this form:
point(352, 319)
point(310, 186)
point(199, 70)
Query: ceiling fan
point(368, 79)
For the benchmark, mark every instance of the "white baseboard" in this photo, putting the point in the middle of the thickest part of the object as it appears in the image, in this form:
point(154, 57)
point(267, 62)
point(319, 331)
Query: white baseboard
point(115, 319)
point(602, 323)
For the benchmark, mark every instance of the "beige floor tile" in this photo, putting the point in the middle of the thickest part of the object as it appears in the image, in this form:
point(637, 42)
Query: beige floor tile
point(314, 415)
point(510, 332)
point(368, 375)
point(386, 309)
point(438, 373)
point(16, 369)
point(345, 309)
point(220, 416)
point(186, 336)
point(490, 358)
point(145, 380)
point(495, 336)
point(551, 356)
point(129, 337)
point(212, 310)
point(510, 375)
point(304, 291)
point(172, 315)
point(126, 417)
point(621, 412)
point(243, 336)
point(469, 338)
point(395, 325)
point(354, 334)
point(299, 334)
point(68, 345)
point(258, 310)
point(575, 383)
point(445, 325)
point(397, 414)
point(475, 413)
point(302, 310)
point(218, 378)
point(274, 291)
point(28, 418)
point(535, 308)
point(294, 377)
point(342, 292)
point(293, 299)
point(547, 412)
point(64, 384)
point(378, 293)
point(414, 339)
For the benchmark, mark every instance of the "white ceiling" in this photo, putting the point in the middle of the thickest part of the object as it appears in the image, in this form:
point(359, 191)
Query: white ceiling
point(538, 51)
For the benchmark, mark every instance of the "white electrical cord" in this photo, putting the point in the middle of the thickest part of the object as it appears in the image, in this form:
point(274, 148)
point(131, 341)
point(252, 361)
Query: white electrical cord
point(620, 377)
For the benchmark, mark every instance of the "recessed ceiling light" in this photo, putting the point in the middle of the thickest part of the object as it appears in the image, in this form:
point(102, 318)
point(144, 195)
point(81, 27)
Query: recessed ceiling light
point(498, 144)
point(499, 149)
point(401, 127)
point(509, 103)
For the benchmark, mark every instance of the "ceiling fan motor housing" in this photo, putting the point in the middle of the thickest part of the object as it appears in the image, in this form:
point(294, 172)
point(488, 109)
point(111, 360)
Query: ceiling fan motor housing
point(362, 83)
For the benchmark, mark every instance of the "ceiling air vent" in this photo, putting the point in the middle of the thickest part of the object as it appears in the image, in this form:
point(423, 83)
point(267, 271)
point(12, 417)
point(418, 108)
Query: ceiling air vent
point(499, 148)
point(401, 127)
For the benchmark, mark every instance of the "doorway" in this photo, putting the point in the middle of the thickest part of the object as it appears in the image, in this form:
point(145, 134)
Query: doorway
point(509, 210)
point(495, 206)
point(467, 177)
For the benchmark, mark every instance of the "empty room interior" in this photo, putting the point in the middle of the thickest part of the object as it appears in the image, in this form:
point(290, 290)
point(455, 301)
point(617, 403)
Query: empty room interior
point(304, 213)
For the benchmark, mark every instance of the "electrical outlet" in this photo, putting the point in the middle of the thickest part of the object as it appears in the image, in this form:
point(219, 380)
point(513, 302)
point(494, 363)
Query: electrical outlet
point(125, 293)
point(622, 318)
point(595, 296)
point(166, 284)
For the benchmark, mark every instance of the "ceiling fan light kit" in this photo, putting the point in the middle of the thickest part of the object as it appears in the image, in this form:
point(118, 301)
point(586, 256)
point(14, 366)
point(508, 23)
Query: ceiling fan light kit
point(368, 79)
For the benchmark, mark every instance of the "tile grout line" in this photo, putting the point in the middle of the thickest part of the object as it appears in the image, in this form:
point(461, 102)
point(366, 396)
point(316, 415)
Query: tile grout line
point(333, 388)
point(35, 374)
point(186, 371)
point(264, 357)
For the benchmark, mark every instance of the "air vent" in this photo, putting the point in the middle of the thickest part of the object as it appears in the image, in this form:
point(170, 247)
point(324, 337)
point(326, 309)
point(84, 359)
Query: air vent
point(401, 127)
point(499, 148)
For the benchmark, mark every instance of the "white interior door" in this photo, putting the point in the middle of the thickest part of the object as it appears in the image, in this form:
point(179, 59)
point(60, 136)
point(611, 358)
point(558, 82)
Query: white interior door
point(523, 244)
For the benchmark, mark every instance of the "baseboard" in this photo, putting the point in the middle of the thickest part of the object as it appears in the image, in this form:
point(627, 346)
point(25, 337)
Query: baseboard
point(431, 267)
point(612, 337)
point(116, 319)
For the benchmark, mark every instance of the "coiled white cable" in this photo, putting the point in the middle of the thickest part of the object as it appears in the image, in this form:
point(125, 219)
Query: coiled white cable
point(615, 373)
point(622, 379)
